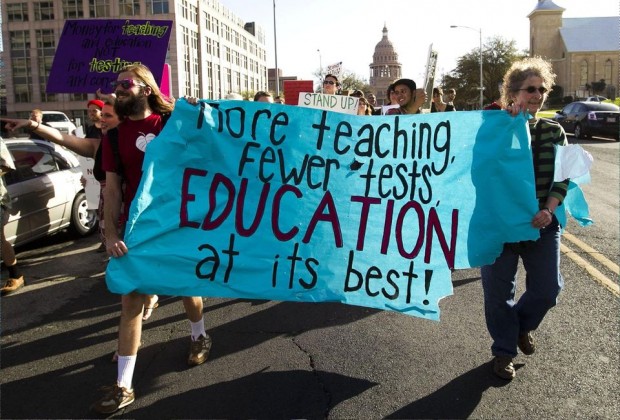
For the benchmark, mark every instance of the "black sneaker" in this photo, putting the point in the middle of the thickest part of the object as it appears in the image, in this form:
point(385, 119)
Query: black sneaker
point(115, 397)
point(526, 343)
point(503, 367)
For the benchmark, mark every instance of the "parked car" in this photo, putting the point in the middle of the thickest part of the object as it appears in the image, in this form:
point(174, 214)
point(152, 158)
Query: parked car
point(596, 98)
point(46, 192)
point(589, 118)
point(60, 121)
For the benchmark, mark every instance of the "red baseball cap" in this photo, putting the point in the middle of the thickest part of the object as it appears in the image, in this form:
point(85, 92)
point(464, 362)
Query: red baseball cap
point(95, 102)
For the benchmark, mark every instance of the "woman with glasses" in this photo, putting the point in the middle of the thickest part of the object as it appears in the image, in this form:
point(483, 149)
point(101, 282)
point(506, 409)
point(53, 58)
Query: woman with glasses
point(510, 322)
point(331, 85)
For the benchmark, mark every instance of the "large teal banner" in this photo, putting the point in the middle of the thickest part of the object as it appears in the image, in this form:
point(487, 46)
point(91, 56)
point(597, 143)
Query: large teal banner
point(268, 201)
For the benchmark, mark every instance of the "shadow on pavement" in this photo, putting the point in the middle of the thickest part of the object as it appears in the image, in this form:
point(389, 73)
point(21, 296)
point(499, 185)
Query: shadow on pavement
point(265, 395)
point(455, 400)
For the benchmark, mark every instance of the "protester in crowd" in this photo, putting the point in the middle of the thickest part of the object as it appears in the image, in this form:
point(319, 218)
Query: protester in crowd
point(438, 104)
point(391, 95)
point(279, 99)
point(372, 100)
point(391, 101)
point(510, 324)
point(408, 97)
point(262, 96)
point(16, 279)
point(141, 104)
point(331, 85)
point(450, 95)
point(363, 107)
point(93, 130)
point(36, 115)
point(109, 120)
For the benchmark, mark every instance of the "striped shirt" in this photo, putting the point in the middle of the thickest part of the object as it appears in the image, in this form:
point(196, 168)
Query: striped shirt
point(545, 135)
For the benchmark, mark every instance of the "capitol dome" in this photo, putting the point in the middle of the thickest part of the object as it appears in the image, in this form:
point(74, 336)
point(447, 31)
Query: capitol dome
point(384, 68)
point(384, 50)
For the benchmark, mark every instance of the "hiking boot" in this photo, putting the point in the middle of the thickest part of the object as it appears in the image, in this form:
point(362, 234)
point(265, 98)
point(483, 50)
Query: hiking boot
point(503, 367)
point(526, 343)
point(12, 285)
point(115, 397)
point(199, 350)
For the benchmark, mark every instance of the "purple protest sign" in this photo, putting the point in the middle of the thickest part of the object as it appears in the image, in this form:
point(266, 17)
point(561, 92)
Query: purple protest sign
point(90, 52)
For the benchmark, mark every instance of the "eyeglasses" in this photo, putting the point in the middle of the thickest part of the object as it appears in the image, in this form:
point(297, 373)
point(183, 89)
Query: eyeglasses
point(126, 84)
point(329, 82)
point(532, 89)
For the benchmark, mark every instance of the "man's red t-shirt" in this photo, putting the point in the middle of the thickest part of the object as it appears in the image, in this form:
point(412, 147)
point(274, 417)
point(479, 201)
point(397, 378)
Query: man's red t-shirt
point(133, 138)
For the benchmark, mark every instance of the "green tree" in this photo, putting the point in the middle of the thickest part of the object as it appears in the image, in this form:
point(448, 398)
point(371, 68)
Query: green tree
point(349, 81)
point(498, 54)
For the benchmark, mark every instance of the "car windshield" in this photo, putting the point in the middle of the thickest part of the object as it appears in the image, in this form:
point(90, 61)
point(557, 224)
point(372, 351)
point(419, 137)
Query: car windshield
point(54, 118)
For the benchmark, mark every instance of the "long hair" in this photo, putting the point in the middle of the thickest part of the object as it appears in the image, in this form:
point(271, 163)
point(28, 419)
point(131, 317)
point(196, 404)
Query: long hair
point(156, 100)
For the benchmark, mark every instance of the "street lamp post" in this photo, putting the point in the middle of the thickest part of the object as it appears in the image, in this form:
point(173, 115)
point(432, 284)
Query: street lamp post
point(275, 42)
point(320, 69)
point(479, 30)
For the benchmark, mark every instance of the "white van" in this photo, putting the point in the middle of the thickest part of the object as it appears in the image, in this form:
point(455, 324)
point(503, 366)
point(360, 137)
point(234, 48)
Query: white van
point(59, 121)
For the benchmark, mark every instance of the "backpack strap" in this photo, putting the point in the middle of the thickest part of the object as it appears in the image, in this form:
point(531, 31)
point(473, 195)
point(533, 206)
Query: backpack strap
point(164, 119)
point(113, 140)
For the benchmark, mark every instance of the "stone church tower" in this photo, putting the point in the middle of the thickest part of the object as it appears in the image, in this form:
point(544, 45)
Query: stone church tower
point(577, 49)
point(545, 24)
point(384, 68)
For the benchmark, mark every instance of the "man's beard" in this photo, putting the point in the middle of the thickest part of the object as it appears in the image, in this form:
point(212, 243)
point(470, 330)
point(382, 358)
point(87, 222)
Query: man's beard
point(132, 105)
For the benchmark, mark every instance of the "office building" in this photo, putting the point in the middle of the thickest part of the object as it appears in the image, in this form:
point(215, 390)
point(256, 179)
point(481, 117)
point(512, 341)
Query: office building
point(211, 52)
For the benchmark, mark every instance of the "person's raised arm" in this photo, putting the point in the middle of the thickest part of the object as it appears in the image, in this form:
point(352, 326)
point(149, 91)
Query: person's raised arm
point(86, 147)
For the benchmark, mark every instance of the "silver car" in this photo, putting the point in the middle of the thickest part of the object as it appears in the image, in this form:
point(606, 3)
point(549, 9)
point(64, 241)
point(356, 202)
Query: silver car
point(46, 192)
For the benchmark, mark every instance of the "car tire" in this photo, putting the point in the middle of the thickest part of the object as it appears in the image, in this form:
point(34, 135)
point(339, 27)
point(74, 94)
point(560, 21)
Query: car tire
point(578, 133)
point(83, 221)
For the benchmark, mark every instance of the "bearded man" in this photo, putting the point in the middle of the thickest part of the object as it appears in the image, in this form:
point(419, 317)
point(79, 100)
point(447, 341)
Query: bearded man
point(143, 110)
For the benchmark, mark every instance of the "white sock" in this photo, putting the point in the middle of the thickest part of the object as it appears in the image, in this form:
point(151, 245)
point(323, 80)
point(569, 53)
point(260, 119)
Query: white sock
point(198, 329)
point(126, 365)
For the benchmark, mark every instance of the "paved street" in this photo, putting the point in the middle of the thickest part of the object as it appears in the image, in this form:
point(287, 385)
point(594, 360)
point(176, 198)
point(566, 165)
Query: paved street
point(286, 360)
